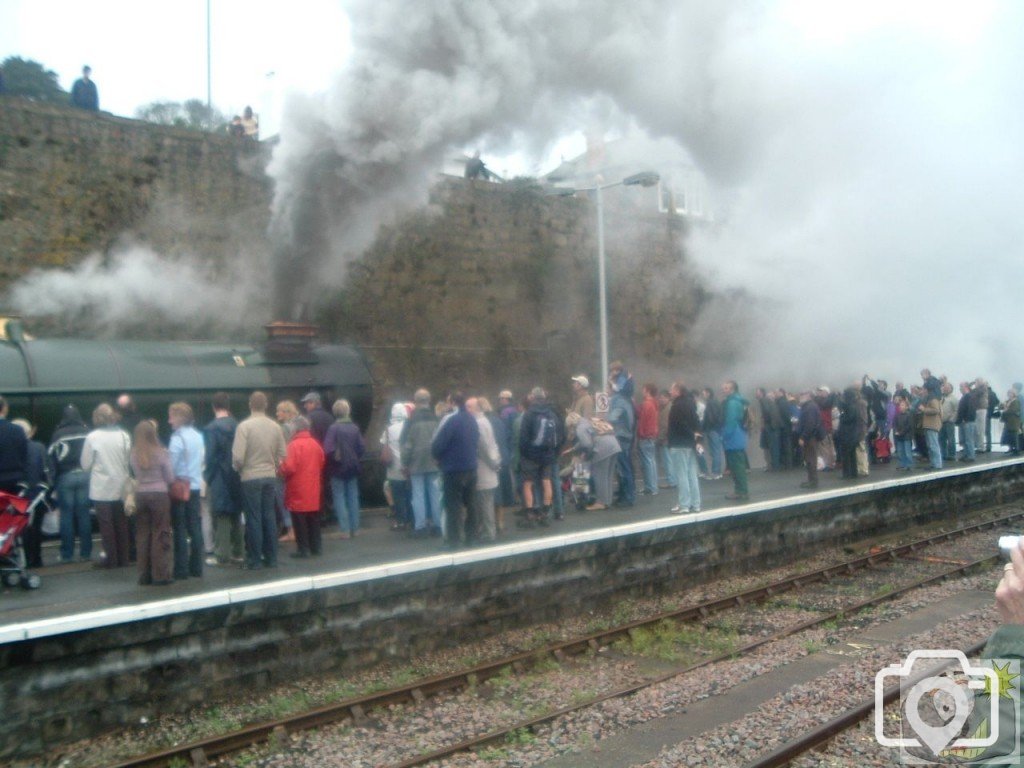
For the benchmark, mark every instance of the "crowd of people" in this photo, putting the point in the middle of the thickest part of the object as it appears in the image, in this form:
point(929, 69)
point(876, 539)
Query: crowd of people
point(456, 466)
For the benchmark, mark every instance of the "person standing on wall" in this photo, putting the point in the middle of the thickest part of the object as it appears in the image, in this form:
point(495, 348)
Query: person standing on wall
point(83, 92)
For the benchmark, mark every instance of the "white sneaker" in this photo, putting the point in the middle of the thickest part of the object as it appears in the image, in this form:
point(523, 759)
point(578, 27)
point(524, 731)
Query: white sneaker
point(676, 510)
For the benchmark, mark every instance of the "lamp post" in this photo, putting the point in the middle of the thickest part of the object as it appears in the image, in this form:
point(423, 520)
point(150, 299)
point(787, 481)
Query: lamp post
point(646, 179)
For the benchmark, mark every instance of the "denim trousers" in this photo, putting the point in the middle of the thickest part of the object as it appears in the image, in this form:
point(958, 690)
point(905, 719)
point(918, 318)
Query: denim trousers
point(187, 526)
point(968, 436)
point(931, 437)
point(627, 485)
point(904, 452)
point(260, 522)
point(346, 503)
point(426, 489)
point(714, 443)
point(73, 497)
point(649, 464)
point(685, 468)
point(670, 469)
point(947, 439)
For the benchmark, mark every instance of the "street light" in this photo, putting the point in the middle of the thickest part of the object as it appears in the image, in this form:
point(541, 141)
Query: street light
point(645, 179)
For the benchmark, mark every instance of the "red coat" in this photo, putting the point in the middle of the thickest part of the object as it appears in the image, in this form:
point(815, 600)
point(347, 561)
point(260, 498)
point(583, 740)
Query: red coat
point(302, 469)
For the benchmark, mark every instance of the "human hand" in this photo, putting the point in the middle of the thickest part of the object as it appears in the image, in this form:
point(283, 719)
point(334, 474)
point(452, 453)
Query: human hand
point(1010, 592)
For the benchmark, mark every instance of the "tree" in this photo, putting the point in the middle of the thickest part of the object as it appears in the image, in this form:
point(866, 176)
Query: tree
point(192, 114)
point(29, 79)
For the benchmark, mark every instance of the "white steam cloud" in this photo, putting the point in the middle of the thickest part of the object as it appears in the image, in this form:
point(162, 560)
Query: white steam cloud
point(136, 287)
point(866, 155)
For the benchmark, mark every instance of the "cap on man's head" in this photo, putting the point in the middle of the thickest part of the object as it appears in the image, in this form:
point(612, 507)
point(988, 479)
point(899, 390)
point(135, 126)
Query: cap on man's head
point(505, 394)
point(825, 389)
point(311, 397)
point(582, 380)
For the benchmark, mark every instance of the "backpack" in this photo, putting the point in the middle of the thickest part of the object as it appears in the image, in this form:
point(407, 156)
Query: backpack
point(746, 422)
point(545, 434)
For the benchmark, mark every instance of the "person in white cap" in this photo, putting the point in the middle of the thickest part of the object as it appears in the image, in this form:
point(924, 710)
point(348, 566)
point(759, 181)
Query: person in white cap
point(582, 401)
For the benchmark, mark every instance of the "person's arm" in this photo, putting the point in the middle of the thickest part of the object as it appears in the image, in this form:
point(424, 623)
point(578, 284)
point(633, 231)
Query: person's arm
point(88, 456)
point(239, 448)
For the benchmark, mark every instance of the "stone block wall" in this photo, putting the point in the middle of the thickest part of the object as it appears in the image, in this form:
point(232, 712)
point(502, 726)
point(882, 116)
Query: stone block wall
point(73, 182)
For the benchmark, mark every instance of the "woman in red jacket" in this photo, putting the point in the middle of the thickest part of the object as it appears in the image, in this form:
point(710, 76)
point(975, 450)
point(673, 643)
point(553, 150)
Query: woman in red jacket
point(302, 469)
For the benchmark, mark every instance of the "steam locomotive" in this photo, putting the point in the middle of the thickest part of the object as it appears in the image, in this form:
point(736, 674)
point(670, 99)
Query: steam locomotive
point(38, 377)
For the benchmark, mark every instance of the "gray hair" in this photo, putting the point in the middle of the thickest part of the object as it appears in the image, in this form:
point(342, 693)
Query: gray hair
point(341, 409)
point(301, 423)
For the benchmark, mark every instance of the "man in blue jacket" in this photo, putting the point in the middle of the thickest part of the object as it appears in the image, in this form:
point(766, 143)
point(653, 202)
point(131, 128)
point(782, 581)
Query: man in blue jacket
point(454, 447)
point(734, 439)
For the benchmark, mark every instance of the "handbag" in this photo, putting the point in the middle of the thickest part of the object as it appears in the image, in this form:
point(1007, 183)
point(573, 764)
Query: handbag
point(181, 487)
point(131, 485)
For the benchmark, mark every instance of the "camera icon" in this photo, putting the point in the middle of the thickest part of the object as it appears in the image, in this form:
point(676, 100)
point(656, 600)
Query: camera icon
point(950, 702)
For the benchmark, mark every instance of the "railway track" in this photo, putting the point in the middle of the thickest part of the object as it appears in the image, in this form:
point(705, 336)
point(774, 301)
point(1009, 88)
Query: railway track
point(840, 724)
point(357, 709)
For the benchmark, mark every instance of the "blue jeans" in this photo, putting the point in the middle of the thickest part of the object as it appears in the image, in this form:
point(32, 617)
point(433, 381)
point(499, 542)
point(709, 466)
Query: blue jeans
point(670, 469)
point(905, 452)
point(73, 497)
point(685, 467)
point(557, 502)
point(931, 437)
point(260, 522)
point(714, 443)
point(947, 439)
point(187, 526)
point(426, 487)
point(649, 464)
point(346, 503)
point(627, 485)
point(968, 433)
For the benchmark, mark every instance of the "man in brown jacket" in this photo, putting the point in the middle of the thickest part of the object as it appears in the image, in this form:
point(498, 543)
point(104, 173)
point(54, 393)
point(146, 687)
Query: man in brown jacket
point(257, 451)
point(931, 421)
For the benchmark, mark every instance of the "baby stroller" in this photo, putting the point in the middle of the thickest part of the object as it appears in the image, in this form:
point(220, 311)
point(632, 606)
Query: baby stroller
point(15, 516)
point(579, 485)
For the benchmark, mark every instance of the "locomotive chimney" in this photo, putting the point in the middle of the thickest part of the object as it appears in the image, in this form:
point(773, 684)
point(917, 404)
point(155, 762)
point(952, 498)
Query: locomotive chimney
point(289, 341)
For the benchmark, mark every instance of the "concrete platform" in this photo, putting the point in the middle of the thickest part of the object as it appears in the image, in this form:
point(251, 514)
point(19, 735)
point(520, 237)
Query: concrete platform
point(78, 596)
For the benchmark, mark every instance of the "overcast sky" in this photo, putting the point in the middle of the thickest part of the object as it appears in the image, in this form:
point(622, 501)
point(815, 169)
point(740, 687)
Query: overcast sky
point(142, 51)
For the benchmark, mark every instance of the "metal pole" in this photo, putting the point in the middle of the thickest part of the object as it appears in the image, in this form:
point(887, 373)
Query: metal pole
point(602, 289)
point(209, 64)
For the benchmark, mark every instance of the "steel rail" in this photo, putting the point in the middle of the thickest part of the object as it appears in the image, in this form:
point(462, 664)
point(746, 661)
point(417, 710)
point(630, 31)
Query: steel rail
point(826, 732)
point(200, 751)
point(637, 687)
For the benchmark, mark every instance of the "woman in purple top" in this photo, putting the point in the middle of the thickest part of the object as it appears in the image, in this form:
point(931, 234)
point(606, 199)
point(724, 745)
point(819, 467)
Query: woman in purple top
point(151, 465)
